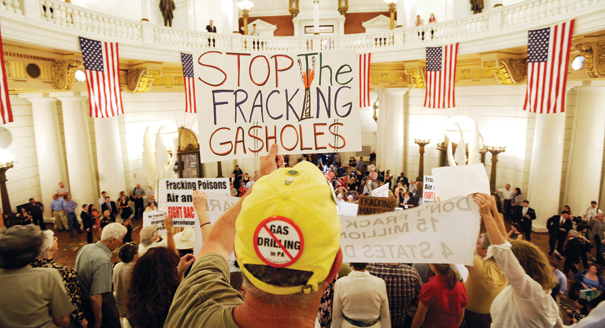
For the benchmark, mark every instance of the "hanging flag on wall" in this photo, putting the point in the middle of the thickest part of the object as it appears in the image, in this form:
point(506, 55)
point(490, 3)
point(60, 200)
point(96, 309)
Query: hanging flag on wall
point(7, 111)
point(547, 63)
point(441, 76)
point(189, 80)
point(102, 64)
point(364, 79)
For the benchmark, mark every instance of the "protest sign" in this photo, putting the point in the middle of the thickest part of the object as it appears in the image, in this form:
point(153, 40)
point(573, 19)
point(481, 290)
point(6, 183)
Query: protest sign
point(347, 209)
point(457, 181)
point(428, 190)
point(382, 191)
point(442, 232)
point(155, 217)
point(176, 199)
point(303, 102)
point(372, 205)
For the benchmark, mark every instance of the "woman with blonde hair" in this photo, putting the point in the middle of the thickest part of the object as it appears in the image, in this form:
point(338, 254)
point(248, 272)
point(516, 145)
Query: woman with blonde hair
point(526, 301)
point(442, 300)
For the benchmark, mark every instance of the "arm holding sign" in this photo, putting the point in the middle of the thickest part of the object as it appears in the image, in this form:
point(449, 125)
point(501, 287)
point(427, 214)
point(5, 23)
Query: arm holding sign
point(169, 237)
point(531, 286)
point(222, 237)
point(199, 203)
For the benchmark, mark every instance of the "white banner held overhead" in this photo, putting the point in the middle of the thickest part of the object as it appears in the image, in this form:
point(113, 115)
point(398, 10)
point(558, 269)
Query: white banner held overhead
point(382, 191)
point(457, 181)
point(432, 233)
point(428, 190)
point(303, 102)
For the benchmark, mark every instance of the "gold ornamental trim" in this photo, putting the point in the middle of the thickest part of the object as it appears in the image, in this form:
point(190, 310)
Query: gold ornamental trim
point(594, 55)
point(417, 77)
point(63, 73)
point(507, 71)
point(140, 79)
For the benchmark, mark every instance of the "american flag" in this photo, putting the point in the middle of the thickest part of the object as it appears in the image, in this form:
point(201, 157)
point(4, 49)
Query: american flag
point(7, 111)
point(441, 76)
point(102, 64)
point(189, 78)
point(364, 80)
point(547, 63)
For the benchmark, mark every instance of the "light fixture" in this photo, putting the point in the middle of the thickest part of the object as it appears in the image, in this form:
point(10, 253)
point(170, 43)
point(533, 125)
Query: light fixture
point(376, 111)
point(494, 150)
point(6, 162)
point(245, 6)
point(578, 62)
point(392, 7)
point(80, 75)
point(343, 6)
point(422, 143)
point(293, 7)
point(452, 132)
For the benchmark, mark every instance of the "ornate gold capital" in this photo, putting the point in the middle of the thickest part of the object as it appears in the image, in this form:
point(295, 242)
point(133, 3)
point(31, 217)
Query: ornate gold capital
point(140, 78)
point(594, 54)
point(417, 77)
point(507, 71)
point(63, 73)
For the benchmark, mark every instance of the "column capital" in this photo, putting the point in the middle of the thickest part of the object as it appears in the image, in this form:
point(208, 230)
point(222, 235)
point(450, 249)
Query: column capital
point(395, 91)
point(66, 95)
point(37, 97)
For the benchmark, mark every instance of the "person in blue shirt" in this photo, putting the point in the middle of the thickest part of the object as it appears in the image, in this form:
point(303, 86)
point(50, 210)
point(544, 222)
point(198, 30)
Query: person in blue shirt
point(57, 211)
point(70, 211)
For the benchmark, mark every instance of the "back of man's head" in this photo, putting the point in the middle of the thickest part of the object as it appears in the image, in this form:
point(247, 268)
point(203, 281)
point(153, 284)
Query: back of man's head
point(288, 234)
point(113, 231)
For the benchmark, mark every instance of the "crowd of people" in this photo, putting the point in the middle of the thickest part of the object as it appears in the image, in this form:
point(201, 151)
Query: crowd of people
point(161, 283)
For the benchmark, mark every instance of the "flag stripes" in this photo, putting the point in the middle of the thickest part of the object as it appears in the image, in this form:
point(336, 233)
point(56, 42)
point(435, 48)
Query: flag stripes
point(547, 64)
point(441, 76)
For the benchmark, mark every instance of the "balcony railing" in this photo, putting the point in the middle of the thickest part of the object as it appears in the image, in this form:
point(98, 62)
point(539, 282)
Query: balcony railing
point(67, 18)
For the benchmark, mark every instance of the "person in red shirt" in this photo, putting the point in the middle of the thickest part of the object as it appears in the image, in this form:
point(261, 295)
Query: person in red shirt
point(442, 300)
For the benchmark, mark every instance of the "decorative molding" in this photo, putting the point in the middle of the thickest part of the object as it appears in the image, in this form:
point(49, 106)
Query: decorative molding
point(388, 75)
point(141, 77)
point(507, 71)
point(63, 73)
point(378, 23)
point(594, 54)
point(417, 74)
point(263, 28)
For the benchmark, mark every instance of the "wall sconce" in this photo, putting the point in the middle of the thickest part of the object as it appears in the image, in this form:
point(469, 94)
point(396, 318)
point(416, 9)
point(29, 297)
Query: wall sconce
point(293, 7)
point(343, 6)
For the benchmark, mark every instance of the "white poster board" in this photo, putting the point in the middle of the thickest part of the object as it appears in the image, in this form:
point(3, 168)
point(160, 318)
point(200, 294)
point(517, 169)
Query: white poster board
point(176, 198)
point(432, 233)
point(304, 102)
point(155, 217)
point(454, 181)
point(382, 191)
point(428, 190)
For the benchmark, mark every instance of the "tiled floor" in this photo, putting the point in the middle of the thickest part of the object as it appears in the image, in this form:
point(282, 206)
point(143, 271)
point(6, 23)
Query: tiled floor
point(68, 249)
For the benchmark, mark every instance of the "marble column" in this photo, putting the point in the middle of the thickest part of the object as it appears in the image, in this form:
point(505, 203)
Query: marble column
point(546, 165)
point(401, 19)
point(146, 12)
point(81, 168)
point(583, 182)
point(49, 147)
point(390, 127)
point(316, 17)
point(109, 156)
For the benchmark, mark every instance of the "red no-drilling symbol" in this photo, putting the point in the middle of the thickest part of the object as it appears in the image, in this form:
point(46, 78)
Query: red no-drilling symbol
point(278, 241)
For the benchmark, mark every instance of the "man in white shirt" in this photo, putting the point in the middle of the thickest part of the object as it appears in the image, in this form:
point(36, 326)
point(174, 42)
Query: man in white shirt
point(102, 199)
point(591, 212)
point(360, 299)
point(507, 197)
point(150, 194)
point(62, 191)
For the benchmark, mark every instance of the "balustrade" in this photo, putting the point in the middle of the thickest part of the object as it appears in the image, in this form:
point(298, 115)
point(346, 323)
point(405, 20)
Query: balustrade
point(523, 15)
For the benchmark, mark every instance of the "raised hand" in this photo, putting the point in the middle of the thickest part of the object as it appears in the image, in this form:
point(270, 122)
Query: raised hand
point(271, 162)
